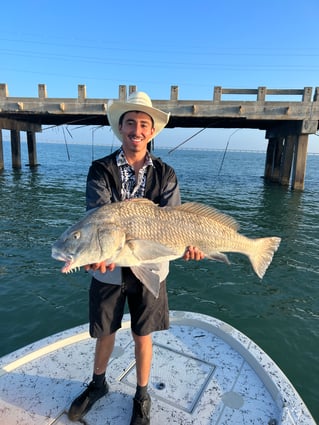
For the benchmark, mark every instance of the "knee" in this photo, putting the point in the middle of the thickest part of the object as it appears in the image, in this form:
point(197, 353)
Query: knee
point(142, 340)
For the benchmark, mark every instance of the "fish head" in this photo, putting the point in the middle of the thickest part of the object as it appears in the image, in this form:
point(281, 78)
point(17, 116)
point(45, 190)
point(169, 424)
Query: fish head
point(88, 243)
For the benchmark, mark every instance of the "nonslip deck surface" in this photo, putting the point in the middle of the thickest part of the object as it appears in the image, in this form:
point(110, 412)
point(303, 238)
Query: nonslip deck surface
point(203, 372)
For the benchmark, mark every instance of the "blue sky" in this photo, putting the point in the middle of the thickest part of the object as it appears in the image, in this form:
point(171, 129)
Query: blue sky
point(195, 45)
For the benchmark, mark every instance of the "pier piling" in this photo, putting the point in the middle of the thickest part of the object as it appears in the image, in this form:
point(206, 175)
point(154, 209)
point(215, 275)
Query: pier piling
point(300, 160)
point(15, 149)
point(1, 151)
point(32, 148)
point(287, 160)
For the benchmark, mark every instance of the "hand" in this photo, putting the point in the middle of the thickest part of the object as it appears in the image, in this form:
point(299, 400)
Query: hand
point(193, 253)
point(102, 267)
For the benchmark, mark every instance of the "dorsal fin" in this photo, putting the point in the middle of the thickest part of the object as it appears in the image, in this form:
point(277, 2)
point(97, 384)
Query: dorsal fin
point(208, 211)
point(140, 200)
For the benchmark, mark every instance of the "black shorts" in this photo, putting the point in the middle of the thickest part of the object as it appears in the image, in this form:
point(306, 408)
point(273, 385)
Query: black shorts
point(107, 304)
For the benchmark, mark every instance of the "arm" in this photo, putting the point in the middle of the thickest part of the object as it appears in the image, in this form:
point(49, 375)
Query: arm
point(170, 193)
point(97, 194)
point(97, 190)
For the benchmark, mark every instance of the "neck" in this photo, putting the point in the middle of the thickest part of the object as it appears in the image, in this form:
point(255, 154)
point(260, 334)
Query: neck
point(135, 159)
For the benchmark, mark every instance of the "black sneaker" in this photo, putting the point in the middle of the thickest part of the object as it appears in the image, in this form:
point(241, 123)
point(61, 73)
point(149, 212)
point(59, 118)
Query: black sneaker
point(141, 411)
point(82, 404)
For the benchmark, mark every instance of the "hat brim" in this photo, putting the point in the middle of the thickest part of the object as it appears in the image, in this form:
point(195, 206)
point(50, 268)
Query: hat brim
point(116, 109)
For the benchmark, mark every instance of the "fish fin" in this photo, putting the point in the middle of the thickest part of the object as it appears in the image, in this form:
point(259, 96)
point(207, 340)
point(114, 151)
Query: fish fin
point(263, 251)
point(145, 250)
point(209, 212)
point(147, 276)
point(218, 256)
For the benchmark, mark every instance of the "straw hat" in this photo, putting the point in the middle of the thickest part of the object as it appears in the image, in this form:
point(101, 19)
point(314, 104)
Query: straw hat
point(137, 101)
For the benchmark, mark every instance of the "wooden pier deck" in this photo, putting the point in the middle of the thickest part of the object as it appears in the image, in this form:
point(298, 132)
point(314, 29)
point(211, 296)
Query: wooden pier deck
point(287, 116)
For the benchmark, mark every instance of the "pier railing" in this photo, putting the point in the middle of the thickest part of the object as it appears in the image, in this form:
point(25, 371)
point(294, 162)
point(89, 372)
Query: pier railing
point(253, 110)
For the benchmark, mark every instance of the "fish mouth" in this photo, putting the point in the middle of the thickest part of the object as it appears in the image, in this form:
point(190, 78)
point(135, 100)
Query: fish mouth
point(69, 267)
point(69, 261)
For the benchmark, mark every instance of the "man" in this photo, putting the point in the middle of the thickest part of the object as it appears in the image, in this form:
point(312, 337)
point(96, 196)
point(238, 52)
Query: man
point(130, 172)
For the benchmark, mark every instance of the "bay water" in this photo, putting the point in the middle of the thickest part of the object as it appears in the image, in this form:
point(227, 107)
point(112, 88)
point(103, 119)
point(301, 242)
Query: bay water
point(280, 313)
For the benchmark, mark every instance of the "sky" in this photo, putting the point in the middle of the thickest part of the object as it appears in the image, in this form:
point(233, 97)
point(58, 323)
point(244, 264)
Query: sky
point(154, 45)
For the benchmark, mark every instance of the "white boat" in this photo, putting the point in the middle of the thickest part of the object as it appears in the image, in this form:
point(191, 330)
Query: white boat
point(204, 372)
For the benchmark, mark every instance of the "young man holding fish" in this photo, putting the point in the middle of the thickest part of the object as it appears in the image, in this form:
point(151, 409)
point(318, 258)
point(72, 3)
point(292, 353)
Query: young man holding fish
point(131, 172)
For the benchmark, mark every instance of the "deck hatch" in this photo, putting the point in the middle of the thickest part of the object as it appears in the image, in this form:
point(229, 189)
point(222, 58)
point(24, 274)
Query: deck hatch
point(176, 378)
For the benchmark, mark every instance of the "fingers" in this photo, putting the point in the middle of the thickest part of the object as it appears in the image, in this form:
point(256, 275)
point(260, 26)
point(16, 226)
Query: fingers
point(111, 267)
point(102, 267)
point(193, 253)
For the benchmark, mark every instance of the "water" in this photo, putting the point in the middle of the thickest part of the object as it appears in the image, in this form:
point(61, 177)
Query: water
point(281, 313)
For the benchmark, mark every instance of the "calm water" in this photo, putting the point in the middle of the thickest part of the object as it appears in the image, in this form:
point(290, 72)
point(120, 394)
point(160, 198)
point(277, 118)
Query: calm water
point(281, 313)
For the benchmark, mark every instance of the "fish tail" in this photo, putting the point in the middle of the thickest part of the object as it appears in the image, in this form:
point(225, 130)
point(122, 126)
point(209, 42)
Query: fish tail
point(261, 257)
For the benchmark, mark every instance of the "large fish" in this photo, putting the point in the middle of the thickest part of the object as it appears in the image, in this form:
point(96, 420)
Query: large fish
point(139, 234)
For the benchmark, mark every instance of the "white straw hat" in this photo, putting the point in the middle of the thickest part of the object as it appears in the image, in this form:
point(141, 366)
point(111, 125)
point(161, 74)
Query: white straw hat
point(137, 101)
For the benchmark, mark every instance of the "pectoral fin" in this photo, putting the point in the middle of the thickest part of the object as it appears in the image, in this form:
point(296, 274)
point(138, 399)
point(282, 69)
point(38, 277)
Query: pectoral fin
point(149, 251)
point(148, 276)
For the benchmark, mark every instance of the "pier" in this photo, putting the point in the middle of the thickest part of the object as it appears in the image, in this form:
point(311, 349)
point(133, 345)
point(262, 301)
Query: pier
point(287, 116)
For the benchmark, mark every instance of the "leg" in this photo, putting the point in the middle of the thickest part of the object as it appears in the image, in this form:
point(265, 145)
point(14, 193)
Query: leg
point(148, 314)
point(98, 387)
point(104, 321)
point(106, 311)
point(143, 356)
point(142, 400)
point(103, 350)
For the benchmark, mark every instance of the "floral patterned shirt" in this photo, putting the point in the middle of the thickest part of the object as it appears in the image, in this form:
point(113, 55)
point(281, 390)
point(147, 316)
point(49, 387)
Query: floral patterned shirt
point(130, 187)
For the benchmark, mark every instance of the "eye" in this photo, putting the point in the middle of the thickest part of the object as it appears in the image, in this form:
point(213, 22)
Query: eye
point(76, 235)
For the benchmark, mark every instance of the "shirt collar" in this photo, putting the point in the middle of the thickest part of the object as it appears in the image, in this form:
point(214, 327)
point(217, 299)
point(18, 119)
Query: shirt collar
point(122, 161)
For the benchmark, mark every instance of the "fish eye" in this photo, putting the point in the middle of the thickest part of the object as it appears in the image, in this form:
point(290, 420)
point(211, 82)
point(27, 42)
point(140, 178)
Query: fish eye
point(76, 235)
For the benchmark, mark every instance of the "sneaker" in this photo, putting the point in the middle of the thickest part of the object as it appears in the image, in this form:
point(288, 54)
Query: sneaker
point(82, 404)
point(141, 411)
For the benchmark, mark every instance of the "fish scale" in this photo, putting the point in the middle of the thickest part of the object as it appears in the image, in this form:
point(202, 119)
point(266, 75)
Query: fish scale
point(158, 224)
point(140, 234)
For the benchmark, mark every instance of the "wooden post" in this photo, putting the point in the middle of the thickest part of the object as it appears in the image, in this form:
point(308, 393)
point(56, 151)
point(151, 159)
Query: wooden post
point(1, 151)
point(32, 149)
point(299, 171)
point(15, 148)
point(287, 158)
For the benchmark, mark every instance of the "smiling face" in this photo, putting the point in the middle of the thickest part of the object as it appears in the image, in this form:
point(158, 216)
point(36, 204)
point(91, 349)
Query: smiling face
point(137, 130)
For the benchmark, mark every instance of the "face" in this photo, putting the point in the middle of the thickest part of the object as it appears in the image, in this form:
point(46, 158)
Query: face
point(136, 130)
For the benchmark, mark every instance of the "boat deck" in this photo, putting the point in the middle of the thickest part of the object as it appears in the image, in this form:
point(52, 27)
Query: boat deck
point(204, 372)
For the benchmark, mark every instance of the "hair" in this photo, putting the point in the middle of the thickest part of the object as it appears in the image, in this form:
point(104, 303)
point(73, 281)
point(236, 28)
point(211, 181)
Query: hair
point(122, 116)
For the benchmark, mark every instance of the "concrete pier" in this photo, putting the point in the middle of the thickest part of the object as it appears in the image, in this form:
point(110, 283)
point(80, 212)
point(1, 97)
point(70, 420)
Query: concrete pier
point(287, 123)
